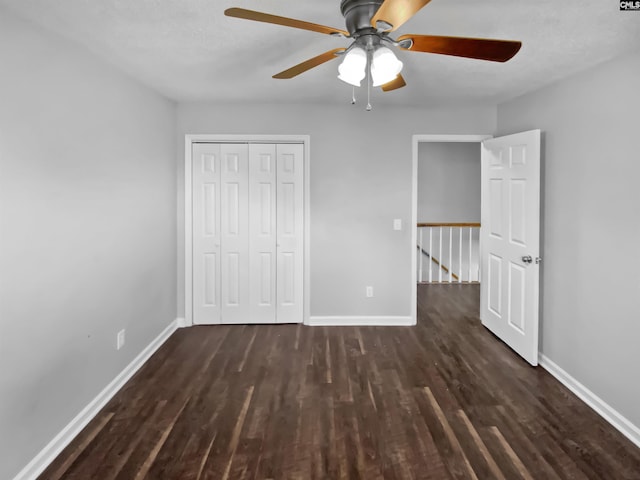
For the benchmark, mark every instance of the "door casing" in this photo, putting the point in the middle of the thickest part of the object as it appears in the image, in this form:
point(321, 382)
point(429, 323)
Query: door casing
point(190, 139)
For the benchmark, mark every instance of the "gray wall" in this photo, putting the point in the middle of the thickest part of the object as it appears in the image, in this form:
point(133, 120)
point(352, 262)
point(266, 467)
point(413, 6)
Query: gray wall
point(87, 215)
point(360, 181)
point(448, 182)
point(591, 217)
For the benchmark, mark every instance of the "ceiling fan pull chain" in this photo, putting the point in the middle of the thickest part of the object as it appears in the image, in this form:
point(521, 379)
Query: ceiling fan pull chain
point(368, 81)
point(353, 95)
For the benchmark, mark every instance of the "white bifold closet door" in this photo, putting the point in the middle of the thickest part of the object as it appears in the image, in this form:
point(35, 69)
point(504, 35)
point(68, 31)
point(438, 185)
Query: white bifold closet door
point(247, 233)
point(289, 233)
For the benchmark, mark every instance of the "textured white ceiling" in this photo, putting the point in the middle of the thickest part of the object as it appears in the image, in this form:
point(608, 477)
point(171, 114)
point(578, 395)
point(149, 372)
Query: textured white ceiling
point(189, 51)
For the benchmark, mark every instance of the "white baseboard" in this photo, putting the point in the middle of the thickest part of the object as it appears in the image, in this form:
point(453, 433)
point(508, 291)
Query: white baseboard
point(68, 433)
point(374, 321)
point(181, 322)
point(623, 425)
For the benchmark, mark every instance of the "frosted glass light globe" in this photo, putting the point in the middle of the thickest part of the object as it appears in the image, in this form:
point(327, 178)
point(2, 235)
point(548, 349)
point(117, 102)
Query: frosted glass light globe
point(384, 66)
point(353, 68)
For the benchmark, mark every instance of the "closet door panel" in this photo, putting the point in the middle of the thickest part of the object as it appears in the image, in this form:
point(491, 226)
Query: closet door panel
point(262, 233)
point(206, 233)
point(290, 230)
point(235, 233)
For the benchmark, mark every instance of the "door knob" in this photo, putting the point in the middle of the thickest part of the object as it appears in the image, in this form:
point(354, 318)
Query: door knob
point(527, 259)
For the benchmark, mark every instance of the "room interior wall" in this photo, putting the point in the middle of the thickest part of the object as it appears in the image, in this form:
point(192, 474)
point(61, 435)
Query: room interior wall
point(87, 218)
point(361, 180)
point(589, 279)
point(448, 182)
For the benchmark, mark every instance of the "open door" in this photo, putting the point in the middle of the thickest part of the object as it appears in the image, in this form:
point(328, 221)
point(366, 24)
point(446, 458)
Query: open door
point(510, 240)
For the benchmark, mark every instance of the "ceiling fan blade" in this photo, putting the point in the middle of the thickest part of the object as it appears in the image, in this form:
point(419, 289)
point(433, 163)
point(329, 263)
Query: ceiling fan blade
point(394, 84)
point(479, 48)
point(309, 64)
point(396, 12)
point(287, 22)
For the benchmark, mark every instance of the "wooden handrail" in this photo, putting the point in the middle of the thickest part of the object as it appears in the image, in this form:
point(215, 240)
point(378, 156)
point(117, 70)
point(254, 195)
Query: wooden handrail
point(448, 225)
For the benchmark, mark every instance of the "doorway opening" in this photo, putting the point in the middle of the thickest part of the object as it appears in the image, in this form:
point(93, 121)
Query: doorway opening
point(449, 212)
point(446, 209)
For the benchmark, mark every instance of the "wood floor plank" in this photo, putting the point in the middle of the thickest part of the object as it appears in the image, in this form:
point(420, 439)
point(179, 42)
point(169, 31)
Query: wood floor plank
point(522, 470)
point(235, 438)
point(442, 400)
point(151, 458)
point(494, 470)
point(465, 470)
point(58, 468)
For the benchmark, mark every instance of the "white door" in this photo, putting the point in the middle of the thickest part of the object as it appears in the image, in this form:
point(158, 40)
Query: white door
point(510, 240)
point(234, 278)
point(290, 229)
point(206, 233)
point(248, 206)
point(262, 233)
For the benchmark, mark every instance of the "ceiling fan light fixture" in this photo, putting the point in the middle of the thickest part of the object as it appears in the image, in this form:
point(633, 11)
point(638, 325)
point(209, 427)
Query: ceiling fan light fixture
point(353, 68)
point(368, 24)
point(385, 66)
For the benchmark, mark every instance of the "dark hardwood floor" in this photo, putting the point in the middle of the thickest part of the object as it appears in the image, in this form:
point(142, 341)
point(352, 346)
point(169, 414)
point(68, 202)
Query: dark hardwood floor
point(442, 400)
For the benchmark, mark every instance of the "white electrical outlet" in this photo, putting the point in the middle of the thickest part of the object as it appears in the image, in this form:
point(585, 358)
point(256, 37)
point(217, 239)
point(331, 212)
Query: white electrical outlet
point(397, 224)
point(369, 292)
point(120, 340)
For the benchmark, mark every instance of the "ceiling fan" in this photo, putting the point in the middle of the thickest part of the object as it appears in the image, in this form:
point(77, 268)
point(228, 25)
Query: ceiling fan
point(369, 24)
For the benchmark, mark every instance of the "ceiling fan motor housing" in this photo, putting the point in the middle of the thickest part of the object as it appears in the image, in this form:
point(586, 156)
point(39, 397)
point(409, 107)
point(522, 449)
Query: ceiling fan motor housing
point(358, 14)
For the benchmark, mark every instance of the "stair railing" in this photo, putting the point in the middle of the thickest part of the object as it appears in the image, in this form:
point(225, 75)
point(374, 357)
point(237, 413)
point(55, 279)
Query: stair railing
point(459, 242)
